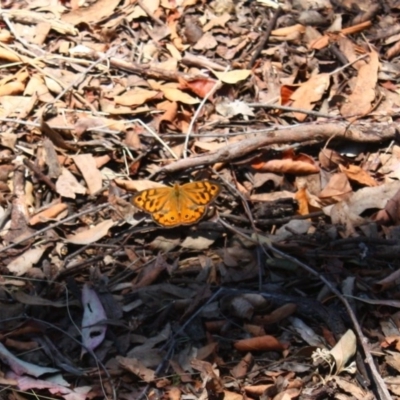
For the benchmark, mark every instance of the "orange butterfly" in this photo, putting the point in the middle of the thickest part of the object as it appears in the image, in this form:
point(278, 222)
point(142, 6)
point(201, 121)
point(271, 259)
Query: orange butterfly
point(179, 205)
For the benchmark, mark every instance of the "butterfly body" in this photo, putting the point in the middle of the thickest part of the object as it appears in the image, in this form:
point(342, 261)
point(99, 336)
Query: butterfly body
point(178, 205)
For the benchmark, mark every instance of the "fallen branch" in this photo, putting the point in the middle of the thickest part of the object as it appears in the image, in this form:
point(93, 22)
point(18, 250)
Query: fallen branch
point(370, 133)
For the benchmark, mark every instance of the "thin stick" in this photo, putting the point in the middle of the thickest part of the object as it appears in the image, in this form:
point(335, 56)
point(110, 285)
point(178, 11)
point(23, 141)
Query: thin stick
point(196, 114)
point(157, 137)
point(293, 109)
point(265, 38)
point(40, 175)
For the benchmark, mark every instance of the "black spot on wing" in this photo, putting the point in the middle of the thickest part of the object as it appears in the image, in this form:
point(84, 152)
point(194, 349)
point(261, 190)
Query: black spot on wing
point(153, 203)
point(202, 196)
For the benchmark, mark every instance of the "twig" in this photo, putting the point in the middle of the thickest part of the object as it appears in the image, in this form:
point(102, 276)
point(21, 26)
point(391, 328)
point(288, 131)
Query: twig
point(166, 135)
point(40, 175)
point(277, 221)
point(340, 69)
point(156, 136)
point(196, 114)
point(34, 49)
point(293, 109)
point(297, 134)
point(201, 61)
point(249, 213)
point(265, 38)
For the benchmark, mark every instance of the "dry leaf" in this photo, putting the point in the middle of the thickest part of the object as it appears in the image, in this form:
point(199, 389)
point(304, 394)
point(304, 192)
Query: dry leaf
point(94, 13)
point(92, 234)
point(135, 97)
point(360, 101)
point(22, 264)
point(232, 77)
point(51, 212)
point(68, 186)
point(309, 93)
point(261, 343)
point(87, 165)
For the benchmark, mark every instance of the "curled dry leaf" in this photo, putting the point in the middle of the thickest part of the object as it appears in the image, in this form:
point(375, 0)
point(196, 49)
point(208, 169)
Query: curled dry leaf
point(344, 350)
point(137, 185)
point(52, 212)
point(21, 367)
point(262, 343)
point(135, 97)
point(357, 174)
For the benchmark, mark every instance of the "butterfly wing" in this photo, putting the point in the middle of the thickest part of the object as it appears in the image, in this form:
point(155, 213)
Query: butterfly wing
point(180, 205)
point(152, 200)
point(178, 210)
point(194, 199)
point(191, 214)
point(201, 192)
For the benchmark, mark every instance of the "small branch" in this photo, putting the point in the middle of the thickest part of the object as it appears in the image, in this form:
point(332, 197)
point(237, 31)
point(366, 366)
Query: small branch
point(296, 134)
point(40, 175)
point(292, 109)
point(265, 38)
point(196, 114)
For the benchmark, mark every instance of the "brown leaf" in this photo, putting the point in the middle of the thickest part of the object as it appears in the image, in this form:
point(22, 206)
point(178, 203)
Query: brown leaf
point(338, 185)
point(135, 97)
point(309, 93)
point(22, 264)
point(360, 101)
point(357, 174)
point(330, 159)
point(68, 186)
point(91, 14)
point(137, 368)
point(51, 212)
point(261, 343)
point(87, 165)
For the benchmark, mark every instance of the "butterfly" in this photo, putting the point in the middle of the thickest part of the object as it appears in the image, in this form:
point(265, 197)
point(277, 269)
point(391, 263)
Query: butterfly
point(178, 205)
